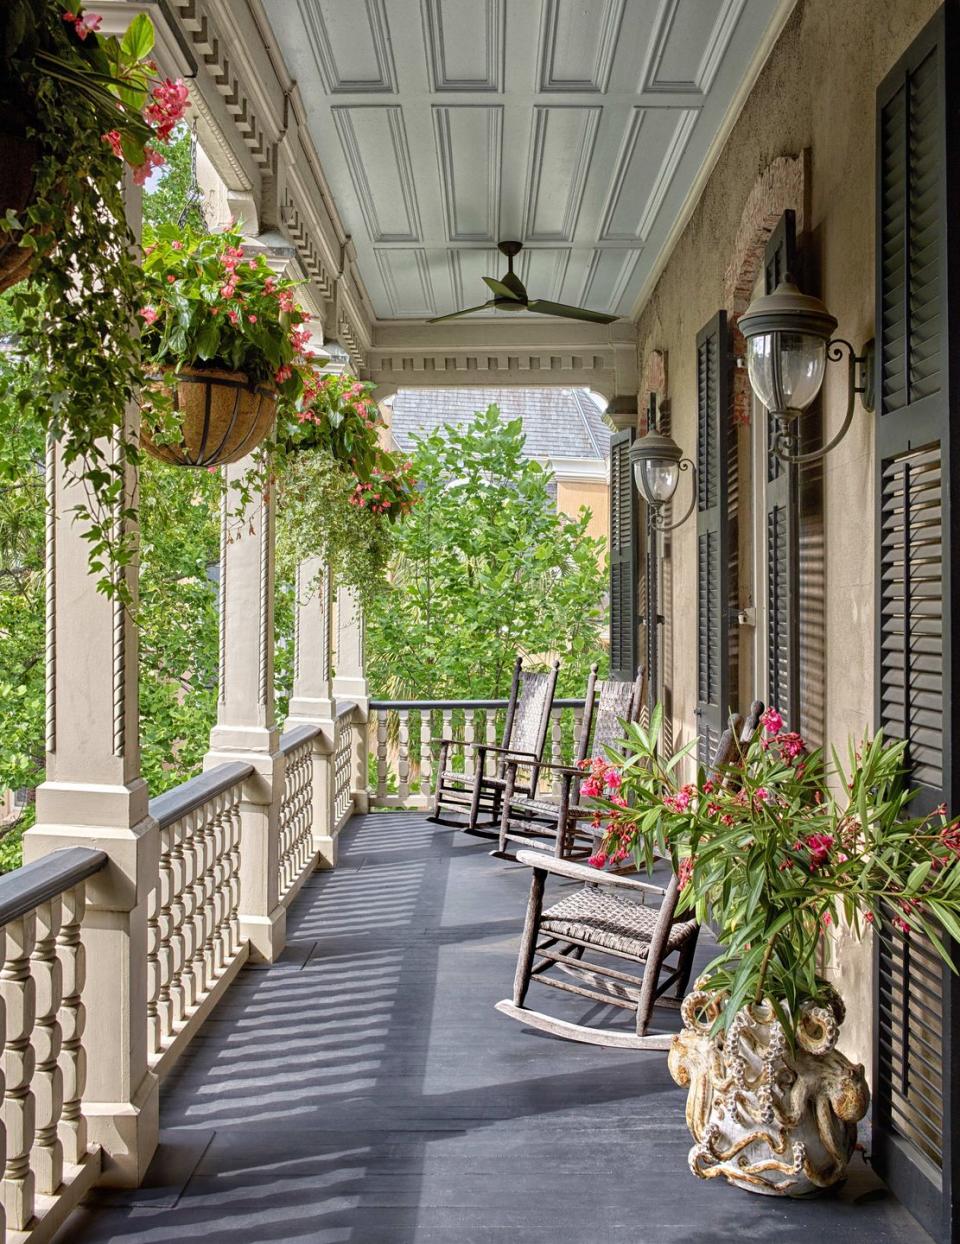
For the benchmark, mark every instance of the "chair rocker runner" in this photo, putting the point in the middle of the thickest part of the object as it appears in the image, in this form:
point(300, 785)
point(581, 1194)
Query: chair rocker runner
point(563, 825)
point(472, 802)
point(610, 916)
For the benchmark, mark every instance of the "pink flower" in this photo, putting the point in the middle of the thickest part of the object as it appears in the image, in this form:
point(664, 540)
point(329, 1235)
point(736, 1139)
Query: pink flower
point(614, 780)
point(149, 314)
point(819, 846)
point(685, 872)
point(762, 795)
point(868, 916)
point(590, 788)
point(170, 101)
point(252, 319)
point(226, 291)
point(83, 24)
point(827, 918)
point(283, 373)
point(176, 246)
point(171, 279)
point(772, 721)
point(901, 924)
point(598, 860)
point(791, 745)
point(233, 317)
point(112, 139)
point(152, 159)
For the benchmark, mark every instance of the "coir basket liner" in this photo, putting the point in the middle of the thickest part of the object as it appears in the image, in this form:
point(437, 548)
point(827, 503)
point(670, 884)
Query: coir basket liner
point(222, 418)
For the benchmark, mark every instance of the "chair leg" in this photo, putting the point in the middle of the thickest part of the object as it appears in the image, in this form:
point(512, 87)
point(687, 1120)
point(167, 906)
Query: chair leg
point(528, 942)
point(685, 966)
point(505, 809)
point(475, 802)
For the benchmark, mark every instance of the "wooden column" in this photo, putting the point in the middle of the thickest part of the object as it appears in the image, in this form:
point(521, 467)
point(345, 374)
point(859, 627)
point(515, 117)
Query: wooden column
point(94, 796)
point(350, 683)
point(246, 728)
point(312, 699)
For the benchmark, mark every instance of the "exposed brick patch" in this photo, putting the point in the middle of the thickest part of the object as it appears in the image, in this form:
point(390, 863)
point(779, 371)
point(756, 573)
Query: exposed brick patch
point(654, 381)
point(780, 186)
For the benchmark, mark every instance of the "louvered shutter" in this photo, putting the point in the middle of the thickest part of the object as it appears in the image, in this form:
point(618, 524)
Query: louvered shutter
point(781, 526)
point(623, 559)
point(713, 534)
point(916, 1085)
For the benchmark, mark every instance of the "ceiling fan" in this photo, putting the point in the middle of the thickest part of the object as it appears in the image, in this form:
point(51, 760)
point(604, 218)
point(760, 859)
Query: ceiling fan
point(510, 295)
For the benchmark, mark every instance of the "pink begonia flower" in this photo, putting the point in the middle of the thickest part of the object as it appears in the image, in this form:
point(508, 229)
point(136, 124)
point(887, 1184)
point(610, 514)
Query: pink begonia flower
point(233, 317)
point(153, 159)
point(170, 101)
point(252, 319)
point(112, 139)
point(284, 373)
point(226, 291)
point(171, 279)
point(83, 23)
point(150, 315)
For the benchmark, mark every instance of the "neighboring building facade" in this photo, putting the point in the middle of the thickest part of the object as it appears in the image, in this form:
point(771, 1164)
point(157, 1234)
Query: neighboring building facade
point(834, 599)
point(564, 431)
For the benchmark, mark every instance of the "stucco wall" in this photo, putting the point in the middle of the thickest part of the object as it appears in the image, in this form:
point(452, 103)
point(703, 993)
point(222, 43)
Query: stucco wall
point(815, 94)
point(572, 494)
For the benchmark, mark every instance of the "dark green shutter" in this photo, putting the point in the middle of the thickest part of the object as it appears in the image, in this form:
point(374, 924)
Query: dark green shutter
point(781, 525)
point(916, 1078)
point(713, 534)
point(623, 559)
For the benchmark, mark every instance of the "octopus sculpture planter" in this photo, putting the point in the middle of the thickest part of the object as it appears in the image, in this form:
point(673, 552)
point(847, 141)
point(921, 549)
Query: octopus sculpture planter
point(769, 1119)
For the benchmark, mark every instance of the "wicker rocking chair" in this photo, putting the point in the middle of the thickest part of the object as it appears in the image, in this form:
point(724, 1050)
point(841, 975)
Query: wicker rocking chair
point(472, 802)
point(610, 916)
point(562, 825)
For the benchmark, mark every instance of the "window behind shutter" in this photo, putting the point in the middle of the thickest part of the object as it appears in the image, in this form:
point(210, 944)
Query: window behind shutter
point(624, 655)
point(915, 1107)
point(713, 535)
point(782, 535)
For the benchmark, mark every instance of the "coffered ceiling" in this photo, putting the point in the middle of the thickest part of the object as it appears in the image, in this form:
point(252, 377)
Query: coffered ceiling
point(577, 126)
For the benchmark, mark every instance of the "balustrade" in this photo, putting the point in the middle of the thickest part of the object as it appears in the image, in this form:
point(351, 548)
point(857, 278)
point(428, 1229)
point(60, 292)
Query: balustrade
point(47, 1161)
point(296, 856)
point(192, 925)
point(343, 760)
point(405, 734)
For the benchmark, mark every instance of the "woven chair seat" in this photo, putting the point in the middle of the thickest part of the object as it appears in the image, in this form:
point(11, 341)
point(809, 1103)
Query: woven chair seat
point(449, 775)
point(611, 921)
point(541, 807)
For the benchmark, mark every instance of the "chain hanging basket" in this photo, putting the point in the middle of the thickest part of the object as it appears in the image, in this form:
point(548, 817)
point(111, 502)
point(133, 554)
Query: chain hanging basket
point(18, 158)
point(223, 417)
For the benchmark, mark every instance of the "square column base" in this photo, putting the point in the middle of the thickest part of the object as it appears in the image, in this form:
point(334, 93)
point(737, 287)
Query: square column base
point(267, 935)
point(127, 1133)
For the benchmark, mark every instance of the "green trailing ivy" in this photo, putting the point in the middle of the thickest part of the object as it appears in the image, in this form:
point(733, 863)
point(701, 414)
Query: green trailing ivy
point(83, 104)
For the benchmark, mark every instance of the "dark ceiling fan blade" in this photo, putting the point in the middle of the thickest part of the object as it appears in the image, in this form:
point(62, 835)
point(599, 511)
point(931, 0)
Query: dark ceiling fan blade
point(454, 315)
point(542, 307)
point(503, 290)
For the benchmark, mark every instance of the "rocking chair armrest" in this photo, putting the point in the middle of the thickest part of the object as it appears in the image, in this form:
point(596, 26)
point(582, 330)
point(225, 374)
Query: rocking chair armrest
point(583, 872)
point(520, 756)
point(564, 770)
point(449, 743)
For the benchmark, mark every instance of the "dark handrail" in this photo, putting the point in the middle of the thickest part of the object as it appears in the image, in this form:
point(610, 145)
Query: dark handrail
point(26, 888)
point(188, 796)
point(345, 707)
point(290, 740)
point(414, 704)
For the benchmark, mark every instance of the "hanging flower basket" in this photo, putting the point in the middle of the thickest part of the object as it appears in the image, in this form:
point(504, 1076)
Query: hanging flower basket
point(222, 416)
point(18, 159)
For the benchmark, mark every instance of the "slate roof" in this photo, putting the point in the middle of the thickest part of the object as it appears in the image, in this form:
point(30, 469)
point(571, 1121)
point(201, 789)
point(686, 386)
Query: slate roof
point(558, 423)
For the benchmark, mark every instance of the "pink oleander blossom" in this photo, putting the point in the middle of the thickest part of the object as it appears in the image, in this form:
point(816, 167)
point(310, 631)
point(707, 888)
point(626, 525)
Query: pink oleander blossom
point(598, 860)
point(772, 721)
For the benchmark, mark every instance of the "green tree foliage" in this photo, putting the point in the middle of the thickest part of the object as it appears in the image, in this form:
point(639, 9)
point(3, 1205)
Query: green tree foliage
point(485, 569)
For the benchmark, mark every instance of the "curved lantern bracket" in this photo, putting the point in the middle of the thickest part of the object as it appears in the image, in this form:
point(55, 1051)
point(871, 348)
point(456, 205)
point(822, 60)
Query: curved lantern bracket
point(655, 512)
point(860, 383)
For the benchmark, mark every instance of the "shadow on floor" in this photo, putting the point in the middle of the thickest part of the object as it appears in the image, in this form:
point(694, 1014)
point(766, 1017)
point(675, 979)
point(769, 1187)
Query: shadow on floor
point(364, 1091)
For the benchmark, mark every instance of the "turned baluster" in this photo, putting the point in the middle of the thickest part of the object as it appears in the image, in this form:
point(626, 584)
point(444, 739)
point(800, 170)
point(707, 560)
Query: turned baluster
point(469, 738)
point(46, 1158)
point(72, 1128)
point(18, 990)
point(403, 756)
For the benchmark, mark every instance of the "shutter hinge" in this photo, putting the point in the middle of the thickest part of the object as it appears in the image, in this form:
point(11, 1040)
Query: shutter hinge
point(744, 617)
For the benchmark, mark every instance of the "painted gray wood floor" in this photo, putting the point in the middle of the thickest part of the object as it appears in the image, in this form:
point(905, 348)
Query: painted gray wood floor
point(364, 1091)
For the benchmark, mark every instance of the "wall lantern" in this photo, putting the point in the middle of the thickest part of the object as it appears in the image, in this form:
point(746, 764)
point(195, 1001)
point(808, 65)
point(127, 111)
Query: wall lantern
point(657, 461)
point(789, 343)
